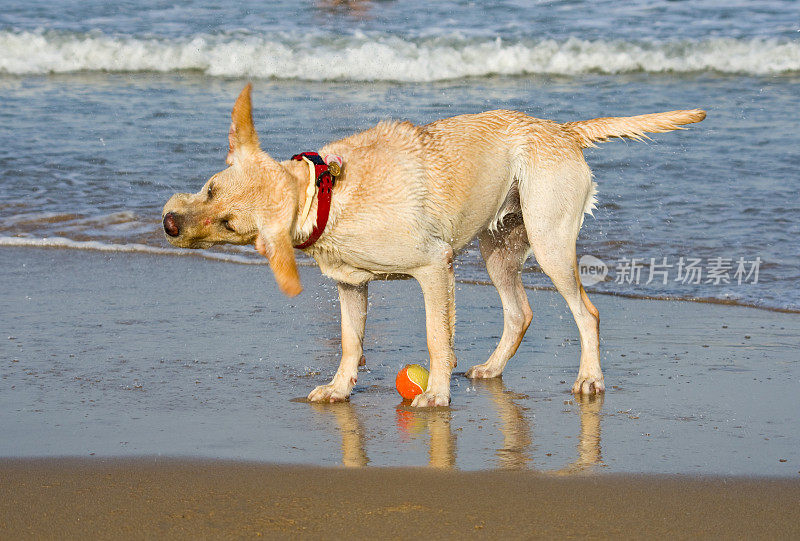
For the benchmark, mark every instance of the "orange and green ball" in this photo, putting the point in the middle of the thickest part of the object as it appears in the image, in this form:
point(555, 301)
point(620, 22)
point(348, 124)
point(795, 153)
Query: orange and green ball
point(411, 381)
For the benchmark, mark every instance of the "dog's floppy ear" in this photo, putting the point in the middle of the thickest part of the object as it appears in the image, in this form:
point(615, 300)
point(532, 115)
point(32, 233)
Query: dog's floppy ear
point(277, 248)
point(242, 137)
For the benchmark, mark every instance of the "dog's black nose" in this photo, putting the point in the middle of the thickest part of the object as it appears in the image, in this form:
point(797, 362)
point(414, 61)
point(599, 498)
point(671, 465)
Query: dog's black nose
point(171, 225)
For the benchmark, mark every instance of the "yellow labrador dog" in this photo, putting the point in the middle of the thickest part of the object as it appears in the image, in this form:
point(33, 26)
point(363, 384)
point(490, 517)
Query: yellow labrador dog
point(406, 199)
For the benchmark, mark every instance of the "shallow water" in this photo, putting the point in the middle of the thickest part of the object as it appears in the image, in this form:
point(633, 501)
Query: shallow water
point(111, 111)
point(104, 152)
point(124, 354)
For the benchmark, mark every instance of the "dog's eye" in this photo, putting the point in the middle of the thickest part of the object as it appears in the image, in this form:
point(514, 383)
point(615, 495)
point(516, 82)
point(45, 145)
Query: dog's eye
point(210, 192)
point(227, 225)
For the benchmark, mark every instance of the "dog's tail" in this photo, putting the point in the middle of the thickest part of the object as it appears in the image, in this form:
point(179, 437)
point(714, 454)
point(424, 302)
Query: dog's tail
point(598, 130)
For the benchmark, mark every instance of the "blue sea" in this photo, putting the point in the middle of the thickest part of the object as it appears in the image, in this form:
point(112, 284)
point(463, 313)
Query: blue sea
point(106, 109)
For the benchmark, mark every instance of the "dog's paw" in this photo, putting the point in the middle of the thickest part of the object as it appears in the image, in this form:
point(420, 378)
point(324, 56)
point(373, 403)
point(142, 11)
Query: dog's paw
point(430, 399)
point(483, 371)
point(588, 385)
point(329, 393)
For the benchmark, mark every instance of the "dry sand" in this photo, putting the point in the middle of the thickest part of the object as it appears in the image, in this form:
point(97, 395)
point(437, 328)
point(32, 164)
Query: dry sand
point(149, 498)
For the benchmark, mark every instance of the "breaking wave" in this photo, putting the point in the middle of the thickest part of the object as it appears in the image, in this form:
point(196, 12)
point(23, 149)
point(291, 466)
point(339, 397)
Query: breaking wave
point(383, 57)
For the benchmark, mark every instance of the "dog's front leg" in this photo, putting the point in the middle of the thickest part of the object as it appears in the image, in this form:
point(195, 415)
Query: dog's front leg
point(353, 302)
point(438, 288)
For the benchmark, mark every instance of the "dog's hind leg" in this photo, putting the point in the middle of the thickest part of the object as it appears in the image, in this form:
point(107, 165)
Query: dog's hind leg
point(504, 252)
point(553, 203)
point(562, 270)
point(353, 303)
point(438, 289)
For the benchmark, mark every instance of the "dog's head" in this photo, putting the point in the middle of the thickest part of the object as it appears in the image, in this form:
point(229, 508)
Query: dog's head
point(253, 201)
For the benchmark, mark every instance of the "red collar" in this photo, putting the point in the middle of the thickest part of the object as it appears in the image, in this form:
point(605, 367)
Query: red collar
point(325, 182)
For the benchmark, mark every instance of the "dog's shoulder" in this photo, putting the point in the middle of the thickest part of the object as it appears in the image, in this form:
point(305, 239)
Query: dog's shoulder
point(387, 138)
point(395, 133)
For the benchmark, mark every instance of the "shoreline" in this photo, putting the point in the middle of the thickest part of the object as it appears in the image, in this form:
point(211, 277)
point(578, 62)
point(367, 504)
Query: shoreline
point(180, 498)
point(64, 243)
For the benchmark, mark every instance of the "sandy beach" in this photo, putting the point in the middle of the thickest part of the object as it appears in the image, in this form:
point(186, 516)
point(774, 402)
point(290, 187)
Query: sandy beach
point(115, 354)
point(148, 395)
point(158, 498)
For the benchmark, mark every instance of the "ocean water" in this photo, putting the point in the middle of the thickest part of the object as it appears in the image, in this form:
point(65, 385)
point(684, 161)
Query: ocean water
point(108, 109)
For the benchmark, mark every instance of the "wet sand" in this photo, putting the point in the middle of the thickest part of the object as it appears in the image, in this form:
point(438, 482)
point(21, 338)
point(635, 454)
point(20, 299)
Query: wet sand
point(157, 498)
point(114, 358)
point(126, 355)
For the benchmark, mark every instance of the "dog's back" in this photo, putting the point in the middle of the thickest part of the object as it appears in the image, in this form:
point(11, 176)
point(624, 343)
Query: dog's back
point(457, 176)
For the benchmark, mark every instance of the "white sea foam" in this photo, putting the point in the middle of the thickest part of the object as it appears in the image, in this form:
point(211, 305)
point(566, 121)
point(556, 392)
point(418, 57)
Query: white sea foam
point(382, 57)
point(93, 245)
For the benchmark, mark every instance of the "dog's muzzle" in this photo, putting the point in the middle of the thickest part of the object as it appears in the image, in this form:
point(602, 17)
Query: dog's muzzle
point(172, 226)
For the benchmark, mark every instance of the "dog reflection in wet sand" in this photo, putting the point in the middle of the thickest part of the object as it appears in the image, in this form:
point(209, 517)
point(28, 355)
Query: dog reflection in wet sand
point(515, 427)
point(436, 422)
point(354, 453)
point(400, 199)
